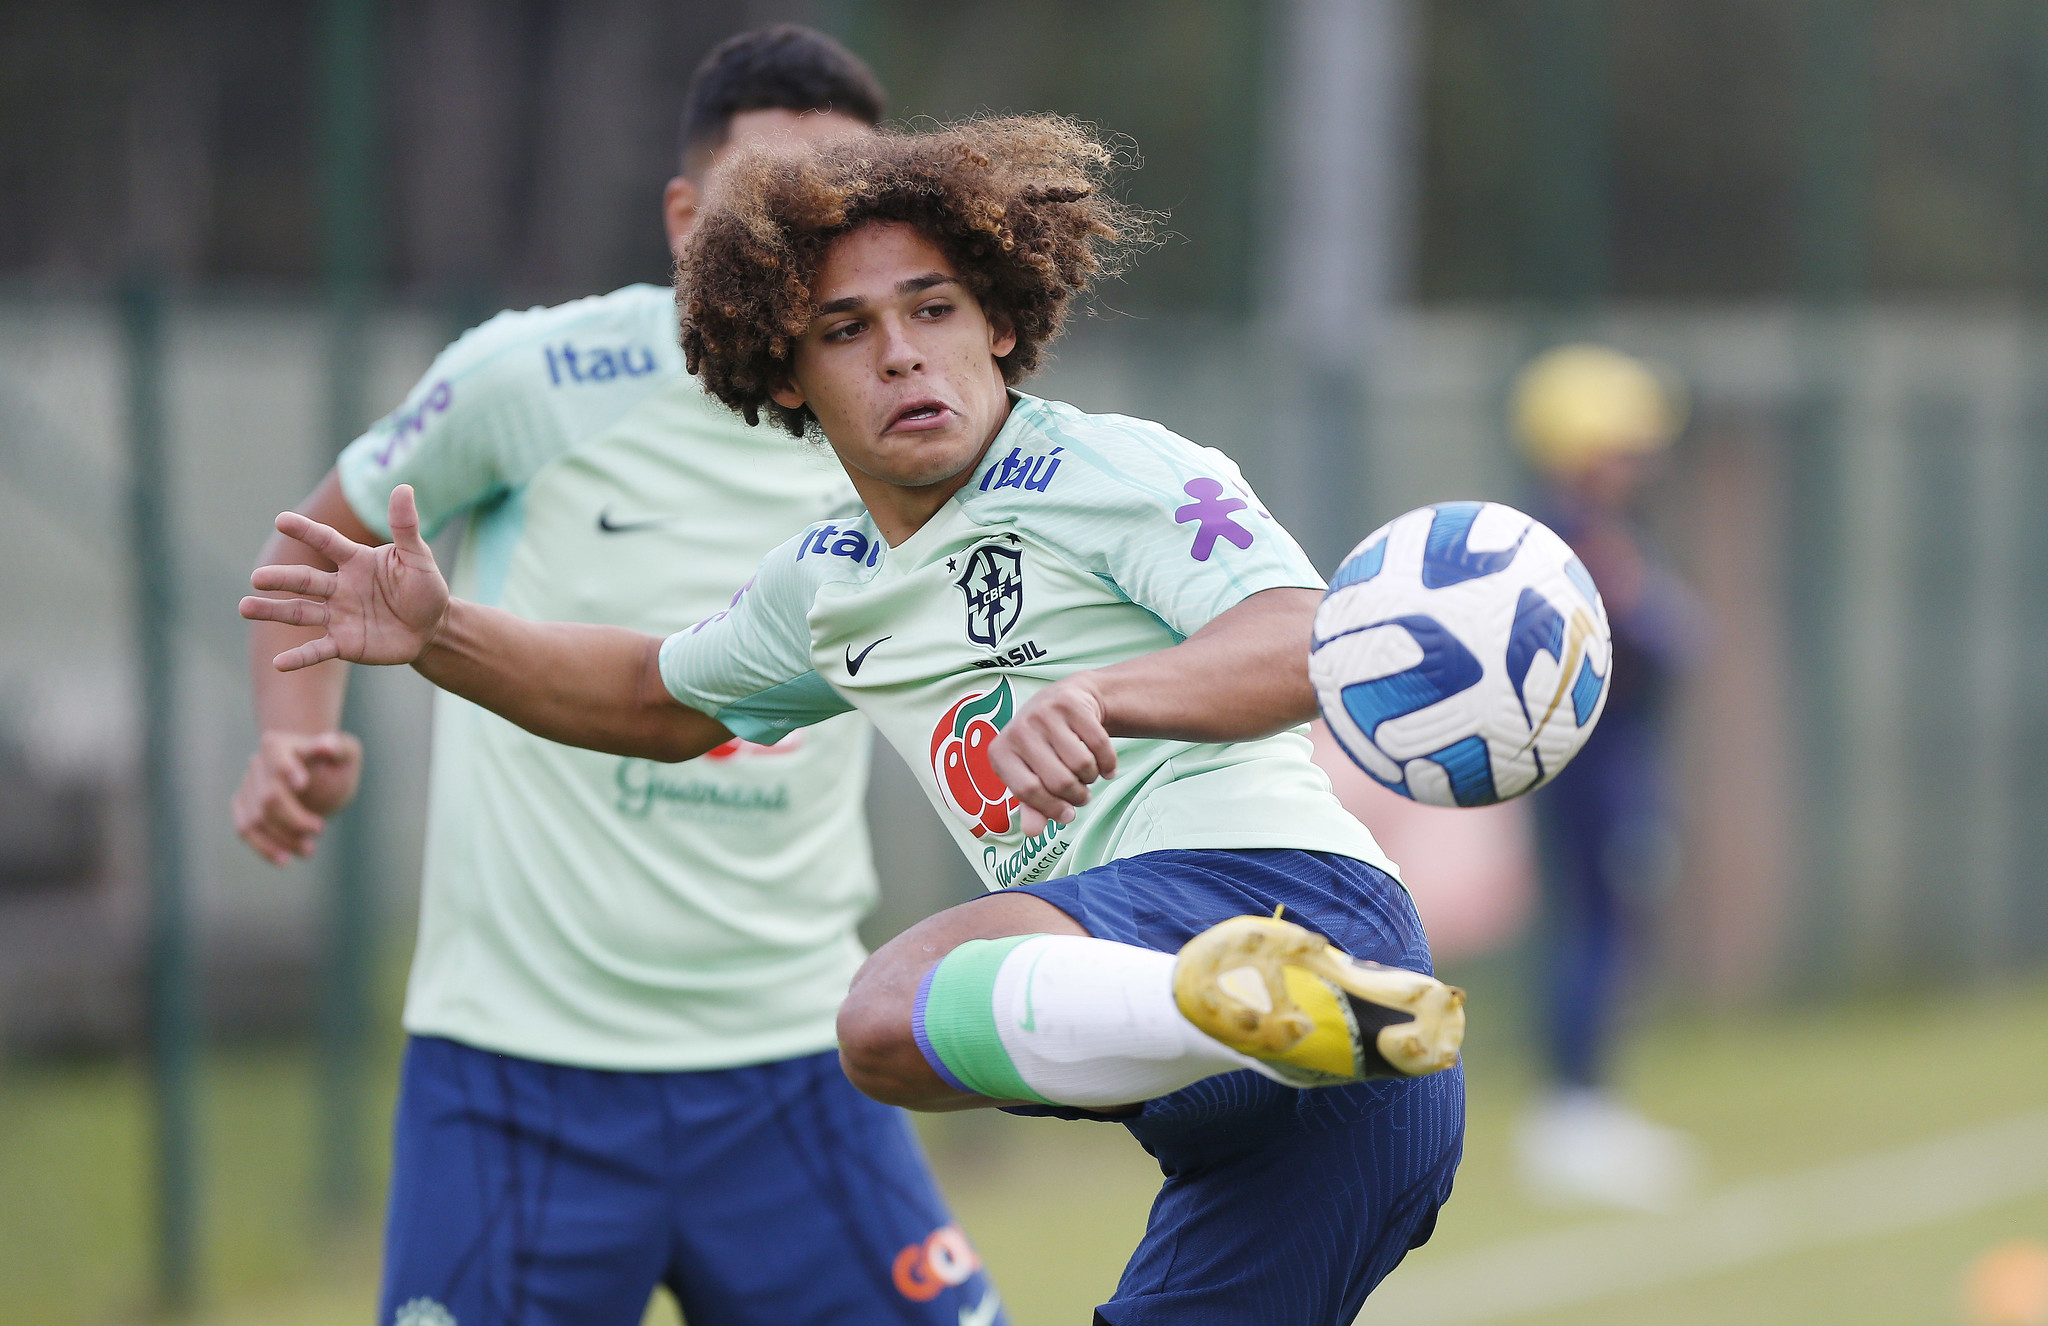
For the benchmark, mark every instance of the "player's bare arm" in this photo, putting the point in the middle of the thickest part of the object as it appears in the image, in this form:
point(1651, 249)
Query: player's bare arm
point(582, 685)
point(304, 767)
point(1239, 678)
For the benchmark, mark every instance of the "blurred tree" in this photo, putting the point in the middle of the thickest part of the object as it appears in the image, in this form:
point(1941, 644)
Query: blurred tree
point(1180, 78)
point(1703, 107)
point(523, 133)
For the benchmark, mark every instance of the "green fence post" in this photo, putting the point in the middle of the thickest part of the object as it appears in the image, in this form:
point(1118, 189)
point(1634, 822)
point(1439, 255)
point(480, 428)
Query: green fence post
point(1562, 236)
point(349, 147)
point(2028, 780)
point(1569, 158)
point(153, 553)
point(1833, 188)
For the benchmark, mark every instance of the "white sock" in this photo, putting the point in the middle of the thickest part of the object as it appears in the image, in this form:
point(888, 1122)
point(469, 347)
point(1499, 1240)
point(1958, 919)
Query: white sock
point(1091, 1022)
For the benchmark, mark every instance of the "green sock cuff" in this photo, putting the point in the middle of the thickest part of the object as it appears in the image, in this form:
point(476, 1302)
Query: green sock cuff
point(955, 1021)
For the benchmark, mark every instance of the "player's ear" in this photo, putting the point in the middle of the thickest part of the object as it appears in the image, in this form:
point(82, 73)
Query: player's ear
point(1002, 337)
point(680, 203)
point(785, 394)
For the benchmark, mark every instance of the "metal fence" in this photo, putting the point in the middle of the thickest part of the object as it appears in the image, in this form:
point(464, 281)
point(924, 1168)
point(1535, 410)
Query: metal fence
point(1855, 502)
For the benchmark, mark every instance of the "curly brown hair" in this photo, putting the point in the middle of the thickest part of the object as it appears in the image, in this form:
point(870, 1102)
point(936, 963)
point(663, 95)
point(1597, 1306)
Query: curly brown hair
point(1019, 204)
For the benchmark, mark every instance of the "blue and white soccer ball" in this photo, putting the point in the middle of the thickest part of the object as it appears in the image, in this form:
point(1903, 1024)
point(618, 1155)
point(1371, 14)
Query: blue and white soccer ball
point(1461, 654)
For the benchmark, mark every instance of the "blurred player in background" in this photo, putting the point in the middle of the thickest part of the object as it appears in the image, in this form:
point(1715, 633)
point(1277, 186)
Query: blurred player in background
point(1090, 642)
point(1594, 424)
point(621, 1068)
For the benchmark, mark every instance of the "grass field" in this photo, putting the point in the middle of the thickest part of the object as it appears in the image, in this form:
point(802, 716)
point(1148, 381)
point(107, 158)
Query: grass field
point(1819, 1209)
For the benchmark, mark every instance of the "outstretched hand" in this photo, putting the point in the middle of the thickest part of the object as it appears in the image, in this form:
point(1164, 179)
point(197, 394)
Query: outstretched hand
point(378, 605)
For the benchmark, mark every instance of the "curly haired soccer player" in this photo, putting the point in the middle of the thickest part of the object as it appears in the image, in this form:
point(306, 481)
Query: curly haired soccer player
point(1090, 640)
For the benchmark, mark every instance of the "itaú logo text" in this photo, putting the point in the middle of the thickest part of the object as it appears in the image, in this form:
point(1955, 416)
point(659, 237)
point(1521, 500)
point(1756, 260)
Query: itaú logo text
point(924, 1270)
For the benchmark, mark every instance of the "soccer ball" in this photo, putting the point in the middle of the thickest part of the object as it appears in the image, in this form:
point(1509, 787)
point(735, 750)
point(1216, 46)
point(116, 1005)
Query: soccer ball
point(1461, 654)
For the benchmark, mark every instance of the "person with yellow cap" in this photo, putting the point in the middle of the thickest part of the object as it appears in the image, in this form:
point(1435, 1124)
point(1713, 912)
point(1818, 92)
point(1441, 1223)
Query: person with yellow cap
point(1594, 424)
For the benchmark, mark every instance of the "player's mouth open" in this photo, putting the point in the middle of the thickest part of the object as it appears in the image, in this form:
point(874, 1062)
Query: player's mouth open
point(918, 416)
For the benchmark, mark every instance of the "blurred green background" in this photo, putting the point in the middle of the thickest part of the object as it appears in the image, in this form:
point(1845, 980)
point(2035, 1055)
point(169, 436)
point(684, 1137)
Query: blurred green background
point(232, 232)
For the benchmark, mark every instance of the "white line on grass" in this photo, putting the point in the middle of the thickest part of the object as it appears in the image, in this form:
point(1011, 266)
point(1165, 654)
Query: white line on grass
point(1829, 1204)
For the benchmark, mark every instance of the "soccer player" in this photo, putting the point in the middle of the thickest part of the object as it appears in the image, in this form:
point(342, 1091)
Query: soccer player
point(1090, 640)
point(1593, 424)
point(621, 1067)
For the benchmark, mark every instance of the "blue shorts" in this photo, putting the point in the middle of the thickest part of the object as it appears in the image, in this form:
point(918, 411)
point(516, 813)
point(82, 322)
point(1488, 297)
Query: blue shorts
point(533, 1194)
point(1279, 1205)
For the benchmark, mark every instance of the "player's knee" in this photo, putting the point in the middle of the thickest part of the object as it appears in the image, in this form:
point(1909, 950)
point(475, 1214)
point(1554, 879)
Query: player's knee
point(874, 1037)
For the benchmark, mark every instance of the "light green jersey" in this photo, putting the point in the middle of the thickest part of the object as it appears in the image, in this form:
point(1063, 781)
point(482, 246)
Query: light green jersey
point(1081, 541)
point(580, 908)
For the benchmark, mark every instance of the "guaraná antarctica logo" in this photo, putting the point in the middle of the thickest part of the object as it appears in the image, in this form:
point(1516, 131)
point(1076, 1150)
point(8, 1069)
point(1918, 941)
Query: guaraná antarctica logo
point(960, 760)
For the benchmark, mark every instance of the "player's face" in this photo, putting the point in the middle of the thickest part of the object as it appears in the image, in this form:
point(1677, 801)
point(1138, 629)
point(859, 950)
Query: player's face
point(900, 365)
point(1613, 482)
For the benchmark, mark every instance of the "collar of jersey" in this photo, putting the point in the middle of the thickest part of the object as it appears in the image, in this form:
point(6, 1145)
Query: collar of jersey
point(910, 554)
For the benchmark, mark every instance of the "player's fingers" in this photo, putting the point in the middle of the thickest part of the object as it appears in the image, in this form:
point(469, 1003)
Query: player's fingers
point(1015, 769)
point(1032, 769)
point(1080, 713)
point(251, 828)
point(404, 518)
point(1032, 822)
point(242, 807)
point(1100, 746)
point(1049, 752)
point(286, 818)
point(292, 612)
point(289, 766)
point(340, 747)
point(306, 655)
point(1074, 754)
point(324, 539)
point(1051, 788)
point(299, 845)
point(295, 579)
point(263, 845)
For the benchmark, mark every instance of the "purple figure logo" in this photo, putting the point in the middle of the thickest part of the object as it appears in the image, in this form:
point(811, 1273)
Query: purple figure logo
point(1213, 510)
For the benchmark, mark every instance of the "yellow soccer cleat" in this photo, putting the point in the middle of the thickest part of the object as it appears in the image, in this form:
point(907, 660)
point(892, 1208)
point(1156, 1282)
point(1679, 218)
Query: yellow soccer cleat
point(1273, 990)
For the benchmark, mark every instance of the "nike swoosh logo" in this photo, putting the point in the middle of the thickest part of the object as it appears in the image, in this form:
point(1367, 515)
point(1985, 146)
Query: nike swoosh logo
point(1030, 1022)
point(853, 660)
point(606, 524)
point(982, 1313)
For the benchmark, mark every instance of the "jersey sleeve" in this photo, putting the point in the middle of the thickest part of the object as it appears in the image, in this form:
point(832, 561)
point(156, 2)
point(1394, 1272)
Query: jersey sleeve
point(1172, 526)
point(750, 665)
point(473, 427)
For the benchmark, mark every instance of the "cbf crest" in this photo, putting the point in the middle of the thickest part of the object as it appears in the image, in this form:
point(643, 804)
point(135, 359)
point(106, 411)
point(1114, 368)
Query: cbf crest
point(994, 585)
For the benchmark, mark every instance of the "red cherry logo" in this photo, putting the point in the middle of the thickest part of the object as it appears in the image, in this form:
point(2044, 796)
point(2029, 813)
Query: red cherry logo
point(980, 740)
point(961, 742)
point(958, 781)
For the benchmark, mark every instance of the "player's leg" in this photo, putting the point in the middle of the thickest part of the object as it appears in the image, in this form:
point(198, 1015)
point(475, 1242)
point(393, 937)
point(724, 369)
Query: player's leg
point(1279, 1205)
point(877, 1042)
point(800, 1202)
point(522, 1193)
point(1581, 933)
point(1600, 830)
point(924, 1024)
point(1009, 998)
point(1287, 1206)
